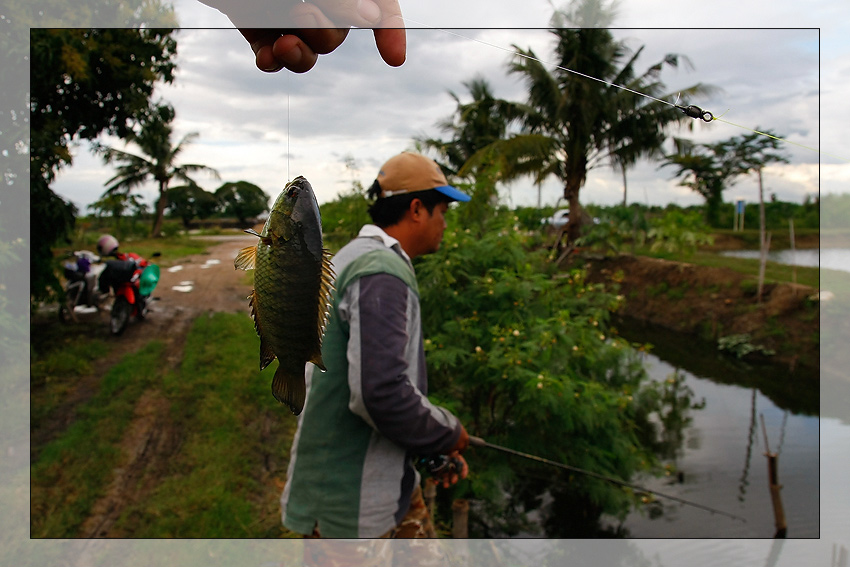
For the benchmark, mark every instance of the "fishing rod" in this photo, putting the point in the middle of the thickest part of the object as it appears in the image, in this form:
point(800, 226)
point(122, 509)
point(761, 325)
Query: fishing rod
point(479, 442)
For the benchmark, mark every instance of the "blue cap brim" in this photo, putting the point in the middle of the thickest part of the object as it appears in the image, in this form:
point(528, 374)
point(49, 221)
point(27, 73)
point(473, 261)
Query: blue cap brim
point(453, 193)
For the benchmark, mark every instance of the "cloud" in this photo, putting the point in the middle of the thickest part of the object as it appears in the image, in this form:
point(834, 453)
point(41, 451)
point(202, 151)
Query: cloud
point(266, 128)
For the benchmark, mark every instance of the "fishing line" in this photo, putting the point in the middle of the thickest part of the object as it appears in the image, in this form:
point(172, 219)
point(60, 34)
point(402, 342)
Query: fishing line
point(287, 131)
point(693, 111)
point(479, 442)
point(512, 52)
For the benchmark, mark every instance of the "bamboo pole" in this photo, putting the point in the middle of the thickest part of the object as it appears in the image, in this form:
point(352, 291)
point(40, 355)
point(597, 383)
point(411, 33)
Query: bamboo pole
point(775, 487)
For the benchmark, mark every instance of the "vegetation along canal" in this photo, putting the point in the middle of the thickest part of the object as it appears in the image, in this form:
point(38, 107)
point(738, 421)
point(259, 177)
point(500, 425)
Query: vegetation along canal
point(712, 444)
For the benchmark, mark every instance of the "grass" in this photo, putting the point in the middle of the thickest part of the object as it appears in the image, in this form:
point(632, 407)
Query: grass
point(773, 272)
point(74, 470)
point(226, 473)
point(57, 364)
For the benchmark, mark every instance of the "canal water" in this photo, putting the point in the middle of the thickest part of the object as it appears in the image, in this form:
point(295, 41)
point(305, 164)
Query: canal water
point(721, 451)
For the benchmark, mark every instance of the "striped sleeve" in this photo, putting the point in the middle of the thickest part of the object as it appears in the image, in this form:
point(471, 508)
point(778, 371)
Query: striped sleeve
point(386, 366)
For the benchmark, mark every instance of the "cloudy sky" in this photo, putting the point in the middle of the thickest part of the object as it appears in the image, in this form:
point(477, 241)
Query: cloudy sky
point(268, 128)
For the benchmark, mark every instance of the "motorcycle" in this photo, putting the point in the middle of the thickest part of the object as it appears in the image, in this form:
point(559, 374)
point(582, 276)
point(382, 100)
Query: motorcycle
point(132, 281)
point(81, 291)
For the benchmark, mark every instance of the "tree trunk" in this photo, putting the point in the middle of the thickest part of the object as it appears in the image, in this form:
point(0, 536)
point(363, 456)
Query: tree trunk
point(161, 203)
point(574, 224)
point(625, 189)
point(712, 209)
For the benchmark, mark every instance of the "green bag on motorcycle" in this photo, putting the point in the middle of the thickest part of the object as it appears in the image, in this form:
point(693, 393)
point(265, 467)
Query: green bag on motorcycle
point(148, 279)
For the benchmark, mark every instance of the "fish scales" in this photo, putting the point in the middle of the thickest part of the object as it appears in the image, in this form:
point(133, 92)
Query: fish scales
point(290, 302)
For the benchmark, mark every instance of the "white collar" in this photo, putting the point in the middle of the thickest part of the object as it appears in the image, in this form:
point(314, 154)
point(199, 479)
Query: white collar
point(374, 231)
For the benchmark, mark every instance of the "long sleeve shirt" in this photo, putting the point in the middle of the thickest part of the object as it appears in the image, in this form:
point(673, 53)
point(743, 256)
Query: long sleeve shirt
point(365, 419)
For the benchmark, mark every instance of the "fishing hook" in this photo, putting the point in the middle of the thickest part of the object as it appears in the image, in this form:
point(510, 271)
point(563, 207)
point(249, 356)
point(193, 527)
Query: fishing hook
point(479, 442)
point(696, 112)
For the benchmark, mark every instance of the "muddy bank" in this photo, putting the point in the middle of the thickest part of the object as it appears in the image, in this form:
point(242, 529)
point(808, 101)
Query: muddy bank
point(711, 303)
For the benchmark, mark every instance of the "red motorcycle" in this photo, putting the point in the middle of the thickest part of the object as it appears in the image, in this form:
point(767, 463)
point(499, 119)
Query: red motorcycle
point(132, 279)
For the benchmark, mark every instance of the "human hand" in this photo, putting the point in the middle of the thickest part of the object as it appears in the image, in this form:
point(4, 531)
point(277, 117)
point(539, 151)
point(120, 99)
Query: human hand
point(462, 441)
point(455, 470)
point(292, 34)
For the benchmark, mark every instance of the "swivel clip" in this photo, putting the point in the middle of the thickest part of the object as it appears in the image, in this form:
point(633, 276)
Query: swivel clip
point(696, 112)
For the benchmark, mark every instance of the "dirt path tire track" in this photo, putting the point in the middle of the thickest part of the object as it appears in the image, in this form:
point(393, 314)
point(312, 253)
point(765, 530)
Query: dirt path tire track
point(151, 438)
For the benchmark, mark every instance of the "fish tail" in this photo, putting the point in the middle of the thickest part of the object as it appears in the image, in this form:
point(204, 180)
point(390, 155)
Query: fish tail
point(289, 388)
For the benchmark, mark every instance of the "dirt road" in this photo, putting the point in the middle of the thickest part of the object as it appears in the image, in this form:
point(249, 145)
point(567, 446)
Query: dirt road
point(194, 286)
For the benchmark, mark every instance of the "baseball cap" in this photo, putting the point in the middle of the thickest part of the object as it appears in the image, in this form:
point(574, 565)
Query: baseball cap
point(409, 172)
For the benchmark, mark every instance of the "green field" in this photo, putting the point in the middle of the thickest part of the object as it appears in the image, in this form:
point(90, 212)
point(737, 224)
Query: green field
point(228, 450)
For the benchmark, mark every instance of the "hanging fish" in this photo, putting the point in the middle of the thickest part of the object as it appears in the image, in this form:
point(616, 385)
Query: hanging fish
point(290, 302)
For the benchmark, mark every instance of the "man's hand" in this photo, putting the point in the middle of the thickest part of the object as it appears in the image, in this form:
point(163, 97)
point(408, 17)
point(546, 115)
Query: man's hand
point(292, 34)
point(454, 471)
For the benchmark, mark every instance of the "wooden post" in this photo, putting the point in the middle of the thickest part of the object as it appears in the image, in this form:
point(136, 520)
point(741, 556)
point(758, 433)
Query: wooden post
point(793, 252)
point(764, 240)
point(775, 487)
point(460, 517)
point(765, 246)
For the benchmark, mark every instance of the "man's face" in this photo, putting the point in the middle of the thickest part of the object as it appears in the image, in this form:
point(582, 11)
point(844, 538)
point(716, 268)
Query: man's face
point(433, 228)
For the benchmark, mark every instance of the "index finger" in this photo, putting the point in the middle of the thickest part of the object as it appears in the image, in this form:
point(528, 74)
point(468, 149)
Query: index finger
point(392, 45)
point(390, 37)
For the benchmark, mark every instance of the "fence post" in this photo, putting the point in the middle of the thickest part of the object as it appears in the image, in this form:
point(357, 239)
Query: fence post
point(460, 517)
point(430, 495)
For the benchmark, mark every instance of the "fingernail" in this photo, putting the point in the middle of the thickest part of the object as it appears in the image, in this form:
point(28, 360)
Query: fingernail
point(369, 11)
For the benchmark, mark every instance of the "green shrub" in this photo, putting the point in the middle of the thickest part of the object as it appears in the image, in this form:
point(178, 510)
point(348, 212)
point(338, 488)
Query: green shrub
point(525, 357)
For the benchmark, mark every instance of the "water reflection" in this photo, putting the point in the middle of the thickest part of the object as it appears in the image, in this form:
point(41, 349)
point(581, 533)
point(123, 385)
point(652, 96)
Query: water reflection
point(796, 391)
point(721, 447)
point(742, 488)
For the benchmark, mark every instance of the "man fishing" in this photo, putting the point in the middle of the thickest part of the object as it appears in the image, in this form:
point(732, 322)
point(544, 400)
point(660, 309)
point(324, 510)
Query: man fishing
point(367, 418)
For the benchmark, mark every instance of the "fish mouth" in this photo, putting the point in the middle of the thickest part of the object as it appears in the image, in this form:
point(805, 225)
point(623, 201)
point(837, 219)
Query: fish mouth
point(295, 187)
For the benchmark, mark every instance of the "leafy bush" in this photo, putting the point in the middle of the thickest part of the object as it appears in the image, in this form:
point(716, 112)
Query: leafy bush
point(678, 231)
point(617, 227)
point(740, 346)
point(526, 358)
point(343, 217)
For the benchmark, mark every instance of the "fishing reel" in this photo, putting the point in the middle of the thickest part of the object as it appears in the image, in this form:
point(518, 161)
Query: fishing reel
point(440, 465)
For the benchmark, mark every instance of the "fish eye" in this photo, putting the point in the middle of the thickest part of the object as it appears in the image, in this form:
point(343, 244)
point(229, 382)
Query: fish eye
point(293, 192)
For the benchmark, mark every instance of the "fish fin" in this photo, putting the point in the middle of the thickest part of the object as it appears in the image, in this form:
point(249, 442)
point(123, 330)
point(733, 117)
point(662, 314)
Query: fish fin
point(289, 387)
point(266, 353)
point(246, 259)
point(326, 288)
point(267, 240)
point(317, 360)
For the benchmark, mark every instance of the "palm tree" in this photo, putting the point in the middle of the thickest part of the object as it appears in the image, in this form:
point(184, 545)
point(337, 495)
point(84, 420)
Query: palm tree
point(574, 123)
point(641, 126)
point(709, 169)
point(157, 162)
point(473, 126)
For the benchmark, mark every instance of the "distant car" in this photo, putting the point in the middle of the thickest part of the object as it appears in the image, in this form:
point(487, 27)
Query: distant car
point(558, 220)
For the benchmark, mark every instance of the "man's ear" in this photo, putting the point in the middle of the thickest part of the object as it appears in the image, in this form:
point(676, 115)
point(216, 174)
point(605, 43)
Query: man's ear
point(416, 208)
